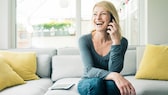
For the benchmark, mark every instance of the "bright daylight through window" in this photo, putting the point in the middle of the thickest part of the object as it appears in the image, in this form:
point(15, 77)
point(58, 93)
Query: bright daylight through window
point(52, 23)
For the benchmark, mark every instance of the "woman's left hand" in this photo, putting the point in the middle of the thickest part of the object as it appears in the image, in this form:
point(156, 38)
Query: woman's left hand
point(124, 86)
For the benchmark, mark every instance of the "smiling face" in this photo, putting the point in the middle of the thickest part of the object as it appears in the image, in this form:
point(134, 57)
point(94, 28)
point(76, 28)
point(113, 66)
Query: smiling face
point(100, 18)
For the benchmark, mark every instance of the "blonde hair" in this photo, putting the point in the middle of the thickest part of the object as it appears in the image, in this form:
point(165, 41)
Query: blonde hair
point(107, 5)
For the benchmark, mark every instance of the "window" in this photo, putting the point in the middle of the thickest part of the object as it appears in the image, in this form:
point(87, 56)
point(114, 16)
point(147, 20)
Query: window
point(129, 20)
point(53, 23)
point(45, 23)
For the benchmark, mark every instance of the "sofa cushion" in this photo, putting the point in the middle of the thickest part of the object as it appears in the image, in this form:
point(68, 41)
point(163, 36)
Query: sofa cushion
point(24, 64)
point(148, 87)
point(129, 62)
point(44, 56)
point(44, 60)
point(139, 54)
point(154, 64)
point(32, 87)
point(68, 51)
point(72, 91)
point(8, 77)
point(64, 66)
point(43, 66)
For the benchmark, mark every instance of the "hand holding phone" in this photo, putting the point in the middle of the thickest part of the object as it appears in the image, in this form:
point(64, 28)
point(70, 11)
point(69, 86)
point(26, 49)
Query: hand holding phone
point(111, 20)
point(112, 17)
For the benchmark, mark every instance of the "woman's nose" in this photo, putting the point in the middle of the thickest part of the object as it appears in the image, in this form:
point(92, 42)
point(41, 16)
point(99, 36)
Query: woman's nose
point(98, 16)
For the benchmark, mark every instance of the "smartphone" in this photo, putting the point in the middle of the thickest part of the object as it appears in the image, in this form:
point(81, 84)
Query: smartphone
point(62, 86)
point(112, 17)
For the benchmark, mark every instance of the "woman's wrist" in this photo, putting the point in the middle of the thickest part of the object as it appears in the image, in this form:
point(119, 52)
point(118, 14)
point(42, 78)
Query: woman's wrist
point(112, 76)
point(116, 42)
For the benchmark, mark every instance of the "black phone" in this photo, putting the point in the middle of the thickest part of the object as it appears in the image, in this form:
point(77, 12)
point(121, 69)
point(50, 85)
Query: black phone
point(112, 17)
point(111, 20)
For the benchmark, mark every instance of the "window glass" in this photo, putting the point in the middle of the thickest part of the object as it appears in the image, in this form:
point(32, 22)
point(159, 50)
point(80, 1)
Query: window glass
point(45, 23)
point(52, 23)
point(129, 20)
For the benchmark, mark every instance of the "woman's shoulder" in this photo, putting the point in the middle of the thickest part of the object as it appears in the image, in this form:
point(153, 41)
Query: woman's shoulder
point(85, 37)
point(85, 40)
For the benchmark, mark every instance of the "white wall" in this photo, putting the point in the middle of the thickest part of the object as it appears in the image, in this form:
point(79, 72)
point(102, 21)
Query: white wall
point(157, 21)
point(7, 25)
point(4, 21)
point(153, 21)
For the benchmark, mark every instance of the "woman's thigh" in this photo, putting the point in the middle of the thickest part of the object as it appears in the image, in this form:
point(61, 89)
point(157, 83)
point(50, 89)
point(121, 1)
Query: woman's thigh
point(91, 86)
point(97, 86)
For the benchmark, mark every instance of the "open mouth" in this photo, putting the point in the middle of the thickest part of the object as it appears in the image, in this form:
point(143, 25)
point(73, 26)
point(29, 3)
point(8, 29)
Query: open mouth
point(99, 24)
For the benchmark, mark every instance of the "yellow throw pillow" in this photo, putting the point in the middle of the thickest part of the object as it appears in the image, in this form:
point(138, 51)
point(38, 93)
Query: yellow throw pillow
point(154, 63)
point(8, 77)
point(23, 63)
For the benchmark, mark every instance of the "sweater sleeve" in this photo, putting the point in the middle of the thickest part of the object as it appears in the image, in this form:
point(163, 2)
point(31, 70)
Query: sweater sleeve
point(116, 58)
point(89, 69)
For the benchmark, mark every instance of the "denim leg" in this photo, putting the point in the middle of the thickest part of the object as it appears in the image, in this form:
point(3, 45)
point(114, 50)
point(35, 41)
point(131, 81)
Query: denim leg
point(111, 88)
point(91, 86)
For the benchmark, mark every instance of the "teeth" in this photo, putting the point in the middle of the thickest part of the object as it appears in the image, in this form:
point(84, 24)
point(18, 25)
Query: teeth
point(99, 23)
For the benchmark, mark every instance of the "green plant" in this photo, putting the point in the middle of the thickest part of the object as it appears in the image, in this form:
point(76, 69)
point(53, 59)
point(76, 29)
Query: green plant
point(55, 25)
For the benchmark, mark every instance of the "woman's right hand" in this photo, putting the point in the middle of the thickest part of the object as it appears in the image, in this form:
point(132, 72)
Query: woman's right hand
point(113, 30)
point(124, 86)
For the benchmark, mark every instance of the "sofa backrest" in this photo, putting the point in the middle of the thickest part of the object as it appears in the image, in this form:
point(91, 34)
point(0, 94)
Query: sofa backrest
point(44, 59)
point(68, 51)
point(66, 66)
point(67, 63)
point(129, 61)
point(140, 51)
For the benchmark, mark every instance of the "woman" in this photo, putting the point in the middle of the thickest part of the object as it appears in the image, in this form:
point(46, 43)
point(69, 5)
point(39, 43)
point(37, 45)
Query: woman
point(102, 53)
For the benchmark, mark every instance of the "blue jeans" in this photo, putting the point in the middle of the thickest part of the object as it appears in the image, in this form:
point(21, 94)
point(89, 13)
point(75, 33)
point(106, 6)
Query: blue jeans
point(97, 86)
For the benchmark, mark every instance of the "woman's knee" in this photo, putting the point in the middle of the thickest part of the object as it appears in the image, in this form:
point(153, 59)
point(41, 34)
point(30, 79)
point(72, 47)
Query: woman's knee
point(111, 88)
point(93, 86)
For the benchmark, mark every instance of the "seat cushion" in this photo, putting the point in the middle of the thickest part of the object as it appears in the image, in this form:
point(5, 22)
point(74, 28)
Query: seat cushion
point(33, 87)
point(149, 87)
point(71, 91)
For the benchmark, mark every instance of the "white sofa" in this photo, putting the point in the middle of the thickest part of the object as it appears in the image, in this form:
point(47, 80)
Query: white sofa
point(64, 65)
point(67, 68)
